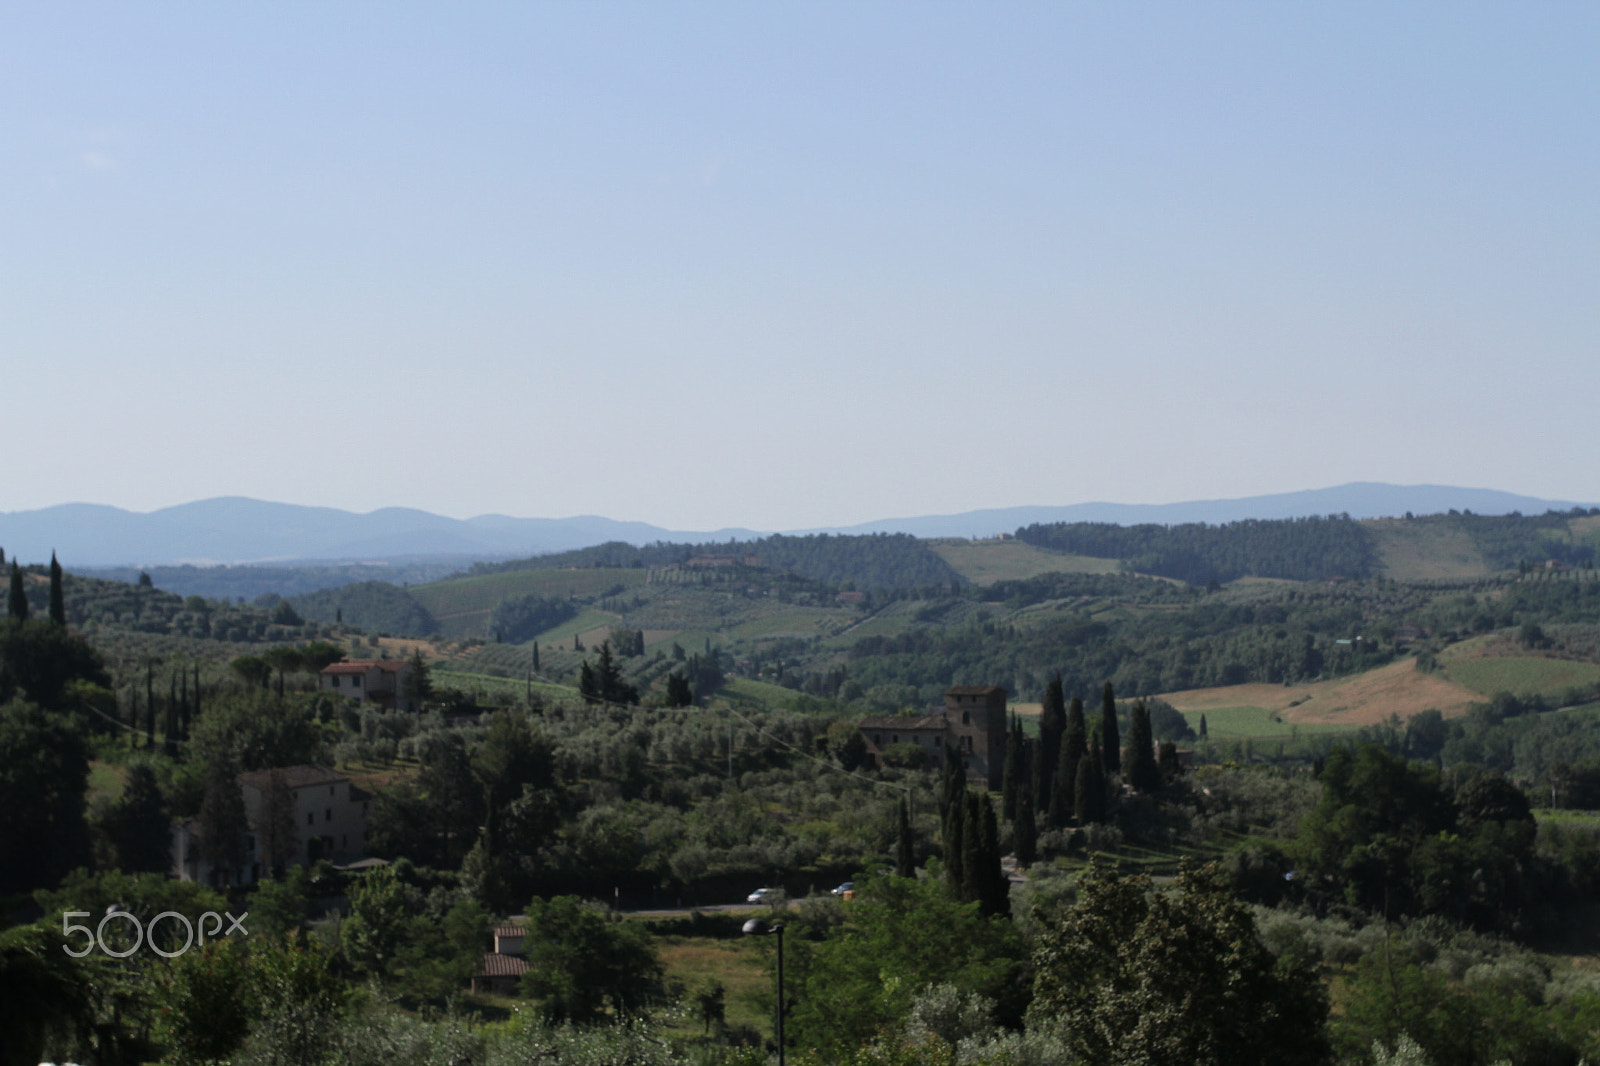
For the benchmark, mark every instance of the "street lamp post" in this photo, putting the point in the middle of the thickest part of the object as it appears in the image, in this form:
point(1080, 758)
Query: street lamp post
point(758, 927)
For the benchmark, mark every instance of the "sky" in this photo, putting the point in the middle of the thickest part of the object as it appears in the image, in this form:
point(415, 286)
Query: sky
point(782, 266)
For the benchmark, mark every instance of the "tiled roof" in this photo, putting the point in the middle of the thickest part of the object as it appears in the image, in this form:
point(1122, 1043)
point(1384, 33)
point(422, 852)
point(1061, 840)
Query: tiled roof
point(905, 724)
point(506, 931)
point(972, 690)
point(293, 777)
point(361, 666)
point(501, 966)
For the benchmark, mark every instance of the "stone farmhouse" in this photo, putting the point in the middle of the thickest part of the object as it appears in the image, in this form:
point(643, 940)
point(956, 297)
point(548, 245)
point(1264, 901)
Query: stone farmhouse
point(972, 723)
point(296, 816)
point(375, 681)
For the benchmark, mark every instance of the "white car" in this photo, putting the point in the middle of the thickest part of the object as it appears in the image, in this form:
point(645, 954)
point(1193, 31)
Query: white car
point(764, 895)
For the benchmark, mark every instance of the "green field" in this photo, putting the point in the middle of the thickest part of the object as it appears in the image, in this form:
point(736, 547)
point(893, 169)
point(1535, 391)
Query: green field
point(741, 965)
point(983, 562)
point(1253, 722)
point(1528, 675)
point(461, 605)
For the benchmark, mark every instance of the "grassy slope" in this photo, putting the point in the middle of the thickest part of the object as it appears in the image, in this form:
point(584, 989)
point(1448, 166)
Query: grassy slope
point(1398, 688)
point(461, 605)
point(983, 562)
point(739, 964)
point(1418, 551)
point(1525, 675)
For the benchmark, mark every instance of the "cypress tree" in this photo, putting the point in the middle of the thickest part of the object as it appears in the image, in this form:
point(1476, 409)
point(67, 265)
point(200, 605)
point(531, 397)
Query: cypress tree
point(1203, 732)
point(954, 845)
point(17, 602)
point(1052, 723)
point(994, 886)
point(953, 781)
point(536, 656)
point(1063, 797)
point(1026, 833)
point(1011, 776)
point(196, 698)
point(905, 854)
point(1076, 736)
point(150, 704)
point(1110, 735)
point(1143, 773)
point(58, 602)
point(169, 722)
point(974, 870)
point(183, 704)
point(1090, 799)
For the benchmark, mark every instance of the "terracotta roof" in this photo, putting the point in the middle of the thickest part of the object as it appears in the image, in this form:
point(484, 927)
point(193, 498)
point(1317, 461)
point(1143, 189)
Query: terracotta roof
point(508, 931)
point(293, 777)
point(972, 690)
point(361, 666)
point(501, 966)
point(905, 724)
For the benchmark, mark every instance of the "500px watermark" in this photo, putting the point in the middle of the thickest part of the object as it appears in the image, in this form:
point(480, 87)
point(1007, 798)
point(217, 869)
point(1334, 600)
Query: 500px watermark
point(97, 935)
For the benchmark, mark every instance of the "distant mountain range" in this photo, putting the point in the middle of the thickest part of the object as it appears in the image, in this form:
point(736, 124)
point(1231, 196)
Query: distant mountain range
point(236, 530)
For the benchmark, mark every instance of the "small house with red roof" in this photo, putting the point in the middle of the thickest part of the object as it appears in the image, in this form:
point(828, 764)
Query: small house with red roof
point(378, 681)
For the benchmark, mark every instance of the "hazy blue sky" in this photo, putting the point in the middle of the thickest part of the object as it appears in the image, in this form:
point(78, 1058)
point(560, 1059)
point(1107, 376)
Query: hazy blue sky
point(784, 266)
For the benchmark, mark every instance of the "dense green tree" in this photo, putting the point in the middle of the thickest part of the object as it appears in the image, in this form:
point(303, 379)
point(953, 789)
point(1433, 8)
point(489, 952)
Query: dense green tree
point(1063, 787)
point(1375, 812)
point(603, 682)
point(1025, 833)
point(955, 846)
point(1140, 759)
point(252, 670)
point(899, 936)
point(974, 867)
point(416, 687)
point(1012, 772)
point(1111, 758)
point(17, 600)
point(58, 602)
point(1089, 791)
point(44, 993)
point(258, 730)
point(40, 661)
point(1052, 725)
point(451, 809)
point(44, 768)
point(281, 906)
point(220, 828)
point(139, 825)
point(679, 694)
point(580, 965)
point(1129, 975)
point(710, 1002)
point(301, 999)
point(207, 1004)
point(379, 915)
point(905, 854)
point(992, 884)
point(1075, 736)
